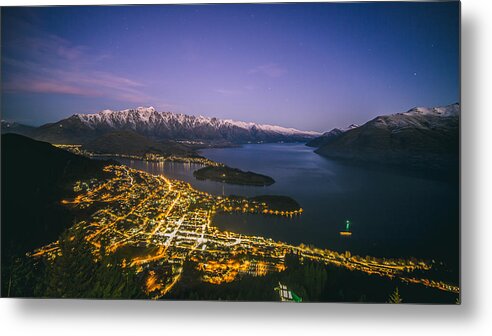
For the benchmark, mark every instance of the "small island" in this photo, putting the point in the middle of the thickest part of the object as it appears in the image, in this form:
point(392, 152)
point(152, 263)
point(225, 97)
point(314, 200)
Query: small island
point(232, 176)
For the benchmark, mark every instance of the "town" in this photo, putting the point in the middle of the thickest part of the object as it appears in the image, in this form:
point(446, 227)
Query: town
point(151, 157)
point(155, 225)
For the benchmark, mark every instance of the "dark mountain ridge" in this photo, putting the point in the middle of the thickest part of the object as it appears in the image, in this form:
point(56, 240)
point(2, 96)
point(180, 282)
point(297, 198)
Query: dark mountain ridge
point(424, 138)
point(325, 138)
point(129, 142)
point(14, 127)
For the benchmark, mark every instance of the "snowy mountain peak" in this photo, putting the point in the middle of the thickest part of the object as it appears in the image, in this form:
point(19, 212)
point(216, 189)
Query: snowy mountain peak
point(452, 110)
point(149, 109)
point(147, 120)
point(350, 127)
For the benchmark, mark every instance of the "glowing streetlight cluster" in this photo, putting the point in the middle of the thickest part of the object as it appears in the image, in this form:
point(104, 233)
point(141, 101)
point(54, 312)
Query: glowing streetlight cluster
point(159, 224)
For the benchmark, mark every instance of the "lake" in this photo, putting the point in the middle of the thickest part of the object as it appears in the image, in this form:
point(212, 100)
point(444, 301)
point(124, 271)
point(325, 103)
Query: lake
point(393, 214)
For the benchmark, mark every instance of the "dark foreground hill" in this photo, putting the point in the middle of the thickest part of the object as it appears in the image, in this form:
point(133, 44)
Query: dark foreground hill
point(35, 177)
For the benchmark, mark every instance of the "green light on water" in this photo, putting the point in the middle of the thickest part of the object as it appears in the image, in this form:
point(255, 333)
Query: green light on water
point(348, 225)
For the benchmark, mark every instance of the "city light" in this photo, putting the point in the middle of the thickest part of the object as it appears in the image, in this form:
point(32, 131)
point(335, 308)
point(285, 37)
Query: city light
point(159, 224)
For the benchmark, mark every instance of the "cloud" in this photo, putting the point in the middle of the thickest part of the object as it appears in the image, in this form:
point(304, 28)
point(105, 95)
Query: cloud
point(166, 106)
point(40, 62)
point(271, 70)
point(71, 53)
point(35, 77)
point(46, 86)
point(228, 92)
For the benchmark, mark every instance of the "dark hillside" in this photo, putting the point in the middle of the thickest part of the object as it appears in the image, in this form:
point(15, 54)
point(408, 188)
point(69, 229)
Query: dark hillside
point(35, 177)
point(129, 142)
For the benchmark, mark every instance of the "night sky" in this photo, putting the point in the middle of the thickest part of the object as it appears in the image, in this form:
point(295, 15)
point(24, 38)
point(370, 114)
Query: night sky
point(308, 66)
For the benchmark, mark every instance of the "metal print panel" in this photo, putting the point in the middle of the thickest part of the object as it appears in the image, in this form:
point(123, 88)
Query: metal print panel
point(247, 152)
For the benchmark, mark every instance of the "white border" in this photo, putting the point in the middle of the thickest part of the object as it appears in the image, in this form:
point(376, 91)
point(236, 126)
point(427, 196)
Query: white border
point(473, 317)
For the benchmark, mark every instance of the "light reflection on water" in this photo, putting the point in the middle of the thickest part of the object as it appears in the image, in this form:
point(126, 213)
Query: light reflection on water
point(392, 214)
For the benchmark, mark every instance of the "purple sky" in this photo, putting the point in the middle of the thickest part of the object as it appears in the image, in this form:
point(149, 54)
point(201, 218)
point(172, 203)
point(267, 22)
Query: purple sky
point(308, 66)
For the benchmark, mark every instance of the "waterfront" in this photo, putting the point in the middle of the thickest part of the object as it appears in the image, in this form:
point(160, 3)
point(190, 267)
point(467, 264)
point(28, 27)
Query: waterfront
point(392, 214)
point(155, 227)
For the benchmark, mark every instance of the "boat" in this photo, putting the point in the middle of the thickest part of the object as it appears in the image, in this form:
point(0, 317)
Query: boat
point(347, 231)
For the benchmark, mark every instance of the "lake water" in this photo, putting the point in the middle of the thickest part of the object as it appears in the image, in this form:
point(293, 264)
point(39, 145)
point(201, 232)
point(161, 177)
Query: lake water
point(392, 214)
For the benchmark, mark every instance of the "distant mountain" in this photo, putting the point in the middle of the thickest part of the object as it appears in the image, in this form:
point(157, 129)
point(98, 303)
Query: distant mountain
point(325, 138)
point(328, 137)
point(420, 138)
point(13, 127)
point(129, 142)
point(35, 177)
point(83, 128)
point(350, 127)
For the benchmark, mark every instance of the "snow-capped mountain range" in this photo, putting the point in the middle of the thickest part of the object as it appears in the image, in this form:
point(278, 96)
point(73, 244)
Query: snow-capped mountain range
point(421, 136)
point(148, 118)
point(147, 121)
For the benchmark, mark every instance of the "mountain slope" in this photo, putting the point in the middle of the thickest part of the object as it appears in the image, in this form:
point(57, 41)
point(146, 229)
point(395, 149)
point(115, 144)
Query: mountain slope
point(35, 177)
point(420, 138)
point(325, 138)
point(82, 128)
point(13, 127)
point(328, 137)
point(129, 142)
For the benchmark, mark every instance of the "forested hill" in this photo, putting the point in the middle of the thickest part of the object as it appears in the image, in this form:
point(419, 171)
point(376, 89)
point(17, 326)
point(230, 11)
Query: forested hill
point(35, 177)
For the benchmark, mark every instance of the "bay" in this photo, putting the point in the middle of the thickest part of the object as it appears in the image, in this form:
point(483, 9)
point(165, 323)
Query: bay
point(393, 213)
